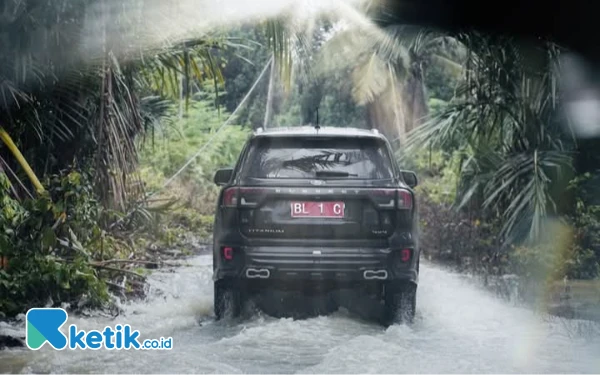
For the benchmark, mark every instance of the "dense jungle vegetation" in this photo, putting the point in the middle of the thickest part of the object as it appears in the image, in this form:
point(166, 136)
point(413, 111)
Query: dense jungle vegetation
point(91, 136)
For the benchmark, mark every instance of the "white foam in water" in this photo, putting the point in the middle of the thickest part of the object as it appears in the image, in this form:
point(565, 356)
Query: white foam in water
point(459, 329)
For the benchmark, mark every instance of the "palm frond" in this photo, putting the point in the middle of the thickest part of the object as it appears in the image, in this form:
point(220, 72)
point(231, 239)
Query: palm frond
point(370, 80)
point(280, 39)
point(505, 118)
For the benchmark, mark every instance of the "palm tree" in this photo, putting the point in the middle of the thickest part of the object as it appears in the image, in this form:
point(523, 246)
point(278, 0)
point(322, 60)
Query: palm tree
point(387, 68)
point(387, 65)
point(62, 107)
point(506, 123)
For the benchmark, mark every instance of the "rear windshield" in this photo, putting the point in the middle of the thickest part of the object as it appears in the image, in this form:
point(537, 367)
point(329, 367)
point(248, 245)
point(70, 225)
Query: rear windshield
point(329, 158)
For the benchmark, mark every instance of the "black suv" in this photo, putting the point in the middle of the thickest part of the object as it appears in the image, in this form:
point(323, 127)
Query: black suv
point(316, 209)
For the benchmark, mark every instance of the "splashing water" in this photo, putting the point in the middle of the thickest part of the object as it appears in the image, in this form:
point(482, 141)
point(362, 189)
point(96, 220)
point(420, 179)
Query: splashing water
point(459, 329)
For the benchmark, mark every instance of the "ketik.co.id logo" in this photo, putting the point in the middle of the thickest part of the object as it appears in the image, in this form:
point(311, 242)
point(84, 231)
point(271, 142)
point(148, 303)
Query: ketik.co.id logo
point(43, 326)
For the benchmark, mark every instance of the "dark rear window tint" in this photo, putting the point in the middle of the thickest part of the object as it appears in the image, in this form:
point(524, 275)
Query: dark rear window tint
point(360, 158)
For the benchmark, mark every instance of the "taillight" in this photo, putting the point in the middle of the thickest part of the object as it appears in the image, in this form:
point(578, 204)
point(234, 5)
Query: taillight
point(385, 198)
point(250, 196)
point(404, 199)
point(230, 197)
point(245, 196)
point(405, 255)
point(383, 192)
point(228, 253)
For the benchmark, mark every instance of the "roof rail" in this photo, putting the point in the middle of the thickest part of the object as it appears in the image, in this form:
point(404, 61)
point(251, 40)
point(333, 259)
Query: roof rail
point(375, 131)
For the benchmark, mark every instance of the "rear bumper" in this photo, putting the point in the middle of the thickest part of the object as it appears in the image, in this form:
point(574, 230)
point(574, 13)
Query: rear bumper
point(296, 264)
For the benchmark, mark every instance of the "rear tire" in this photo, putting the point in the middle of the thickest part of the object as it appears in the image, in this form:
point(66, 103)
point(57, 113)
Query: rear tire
point(400, 300)
point(228, 300)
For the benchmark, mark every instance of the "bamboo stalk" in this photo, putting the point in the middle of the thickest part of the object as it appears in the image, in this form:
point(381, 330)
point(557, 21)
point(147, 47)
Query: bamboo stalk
point(24, 164)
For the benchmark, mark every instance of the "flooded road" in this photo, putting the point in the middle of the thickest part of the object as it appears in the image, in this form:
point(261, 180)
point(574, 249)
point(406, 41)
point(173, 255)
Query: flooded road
point(459, 329)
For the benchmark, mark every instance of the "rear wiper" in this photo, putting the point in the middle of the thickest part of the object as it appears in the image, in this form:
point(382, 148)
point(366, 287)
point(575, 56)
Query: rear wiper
point(334, 174)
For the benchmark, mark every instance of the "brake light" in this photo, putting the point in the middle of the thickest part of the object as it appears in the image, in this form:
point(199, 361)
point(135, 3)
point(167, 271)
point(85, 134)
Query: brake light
point(404, 199)
point(230, 197)
point(405, 255)
point(250, 196)
point(228, 253)
point(385, 198)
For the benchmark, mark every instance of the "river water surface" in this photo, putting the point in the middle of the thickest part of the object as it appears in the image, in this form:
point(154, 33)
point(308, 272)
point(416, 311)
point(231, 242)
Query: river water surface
point(459, 329)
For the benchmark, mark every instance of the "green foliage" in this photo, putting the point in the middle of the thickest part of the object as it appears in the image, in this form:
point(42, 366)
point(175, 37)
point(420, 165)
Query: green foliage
point(47, 261)
point(570, 248)
point(72, 194)
point(460, 238)
point(440, 85)
point(506, 123)
point(438, 173)
point(334, 101)
point(584, 260)
point(292, 115)
point(191, 219)
point(568, 255)
point(173, 148)
point(242, 67)
point(193, 191)
point(91, 109)
point(436, 106)
point(65, 105)
point(313, 85)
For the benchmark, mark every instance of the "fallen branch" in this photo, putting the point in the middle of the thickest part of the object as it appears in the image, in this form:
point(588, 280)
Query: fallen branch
point(118, 270)
point(110, 261)
point(134, 261)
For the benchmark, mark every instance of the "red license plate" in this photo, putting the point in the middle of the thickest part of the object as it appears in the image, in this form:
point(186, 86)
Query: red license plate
point(318, 209)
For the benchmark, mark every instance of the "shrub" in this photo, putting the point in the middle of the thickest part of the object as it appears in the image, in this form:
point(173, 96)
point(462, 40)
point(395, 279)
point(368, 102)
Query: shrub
point(460, 238)
point(44, 243)
point(437, 172)
point(194, 189)
point(572, 248)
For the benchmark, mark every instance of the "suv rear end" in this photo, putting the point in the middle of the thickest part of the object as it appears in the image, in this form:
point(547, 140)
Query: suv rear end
point(316, 210)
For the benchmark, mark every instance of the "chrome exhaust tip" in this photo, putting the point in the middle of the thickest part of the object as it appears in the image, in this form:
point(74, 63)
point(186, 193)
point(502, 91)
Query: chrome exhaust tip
point(254, 273)
point(375, 275)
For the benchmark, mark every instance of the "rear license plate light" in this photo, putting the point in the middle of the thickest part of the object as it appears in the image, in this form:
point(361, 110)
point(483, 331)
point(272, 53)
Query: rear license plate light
point(334, 210)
